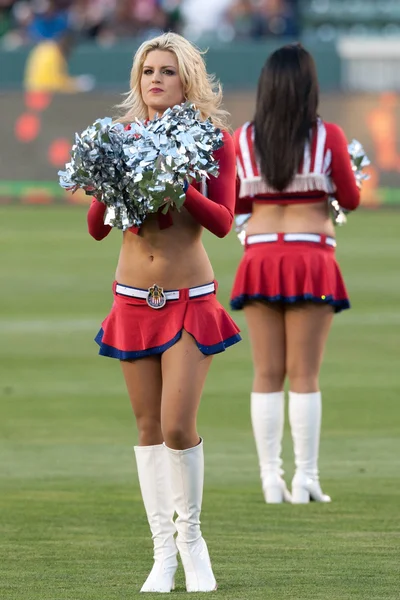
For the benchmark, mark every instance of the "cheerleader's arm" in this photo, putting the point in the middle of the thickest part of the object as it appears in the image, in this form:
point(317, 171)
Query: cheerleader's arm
point(95, 220)
point(215, 213)
point(243, 206)
point(347, 191)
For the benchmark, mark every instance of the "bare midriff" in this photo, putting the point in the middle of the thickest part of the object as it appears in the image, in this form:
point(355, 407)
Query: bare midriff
point(291, 218)
point(173, 258)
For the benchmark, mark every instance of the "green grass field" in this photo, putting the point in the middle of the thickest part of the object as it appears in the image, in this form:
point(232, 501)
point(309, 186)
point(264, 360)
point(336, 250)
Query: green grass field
point(72, 525)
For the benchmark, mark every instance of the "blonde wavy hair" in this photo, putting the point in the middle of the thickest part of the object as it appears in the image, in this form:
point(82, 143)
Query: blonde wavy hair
point(199, 87)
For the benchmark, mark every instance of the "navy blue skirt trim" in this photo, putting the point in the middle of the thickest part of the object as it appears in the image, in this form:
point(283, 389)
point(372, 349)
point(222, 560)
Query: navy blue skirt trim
point(238, 302)
point(112, 352)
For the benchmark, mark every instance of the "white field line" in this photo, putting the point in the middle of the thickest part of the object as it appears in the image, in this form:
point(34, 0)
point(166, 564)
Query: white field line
point(56, 326)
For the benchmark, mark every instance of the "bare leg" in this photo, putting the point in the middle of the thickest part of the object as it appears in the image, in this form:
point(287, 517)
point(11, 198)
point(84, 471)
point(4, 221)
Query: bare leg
point(184, 371)
point(307, 327)
point(267, 335)
point(144, 384)
point(266, 324)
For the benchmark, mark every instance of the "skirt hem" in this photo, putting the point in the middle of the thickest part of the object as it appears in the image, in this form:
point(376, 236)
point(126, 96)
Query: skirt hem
point(112, 352)
point(239, 302)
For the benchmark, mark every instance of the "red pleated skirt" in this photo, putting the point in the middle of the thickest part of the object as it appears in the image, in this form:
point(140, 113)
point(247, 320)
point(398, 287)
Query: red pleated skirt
point(289, 272)
point(134, 330)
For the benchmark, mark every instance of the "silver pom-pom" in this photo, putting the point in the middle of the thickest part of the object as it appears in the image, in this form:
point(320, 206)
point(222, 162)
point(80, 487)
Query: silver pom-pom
point(359, 160)
point(138, 171)
point(241, 222)
point(170, 150)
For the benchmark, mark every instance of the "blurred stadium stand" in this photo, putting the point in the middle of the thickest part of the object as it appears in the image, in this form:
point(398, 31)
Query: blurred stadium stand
point(356, 44)
point(330, 19)
point(107, 21)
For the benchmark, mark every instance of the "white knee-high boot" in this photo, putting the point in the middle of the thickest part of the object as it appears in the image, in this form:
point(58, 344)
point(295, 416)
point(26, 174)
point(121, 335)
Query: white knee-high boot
point(154, 478)
point(267, 418)
point(305, 421)
point(187, 478)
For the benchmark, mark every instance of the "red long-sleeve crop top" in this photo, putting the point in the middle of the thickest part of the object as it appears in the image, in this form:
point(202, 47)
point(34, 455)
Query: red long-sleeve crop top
point(325, 170)
point(214, 212)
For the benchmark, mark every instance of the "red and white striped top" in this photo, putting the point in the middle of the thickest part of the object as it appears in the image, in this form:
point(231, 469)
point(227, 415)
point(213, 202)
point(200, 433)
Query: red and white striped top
point(325, 169)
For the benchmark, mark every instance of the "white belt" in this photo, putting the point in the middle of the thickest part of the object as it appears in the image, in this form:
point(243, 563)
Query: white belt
point(194, 292)
point(259, 238)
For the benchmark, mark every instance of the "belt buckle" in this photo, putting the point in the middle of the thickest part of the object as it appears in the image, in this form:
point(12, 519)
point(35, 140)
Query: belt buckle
point(156, 297)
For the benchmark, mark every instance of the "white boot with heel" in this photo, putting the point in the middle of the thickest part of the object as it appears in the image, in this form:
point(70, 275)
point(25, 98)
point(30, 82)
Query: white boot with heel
point(154, 478)
point(305, 421)
point(187, 478)
point(267, 418)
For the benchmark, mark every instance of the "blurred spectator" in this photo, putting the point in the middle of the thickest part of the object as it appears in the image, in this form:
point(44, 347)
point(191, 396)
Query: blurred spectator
point(132, 18)
point(91, 16)
point(17, 17)
point(106, 21)
point(142, 18)
point(263, 18)
point(46, 69)
point(174, 16)
point(49, 19)
point(6, 7)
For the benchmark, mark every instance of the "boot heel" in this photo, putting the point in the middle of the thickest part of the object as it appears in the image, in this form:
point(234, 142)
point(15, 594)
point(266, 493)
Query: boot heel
point(197, 566)
point(273, 494)
point(305, 489)
point(275, 490)
point(300, 495)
